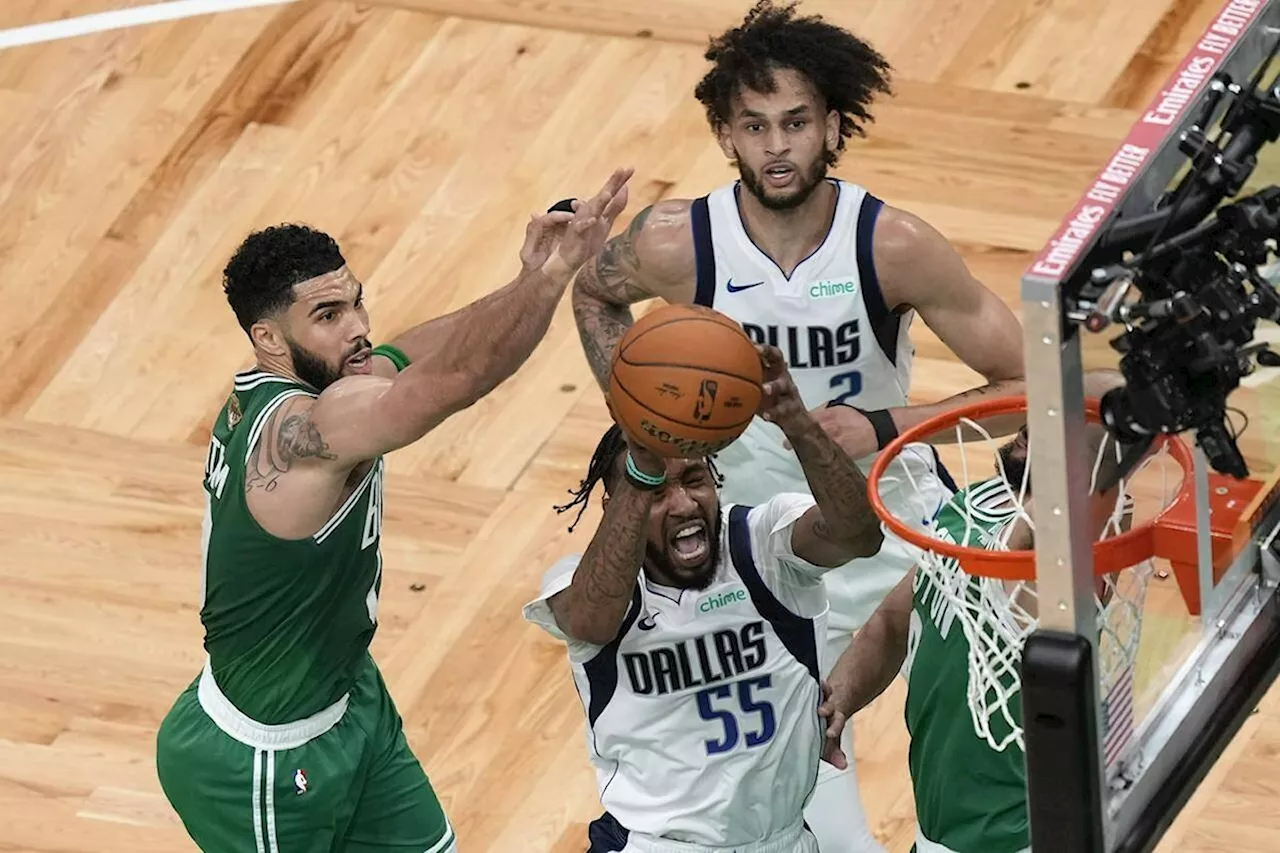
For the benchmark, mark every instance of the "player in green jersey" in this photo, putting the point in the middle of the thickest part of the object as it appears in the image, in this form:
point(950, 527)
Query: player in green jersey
point(288, 741)
point(969, 797)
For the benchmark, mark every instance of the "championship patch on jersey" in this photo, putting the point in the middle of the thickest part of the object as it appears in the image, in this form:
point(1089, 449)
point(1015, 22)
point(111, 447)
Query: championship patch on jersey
point(234, 414)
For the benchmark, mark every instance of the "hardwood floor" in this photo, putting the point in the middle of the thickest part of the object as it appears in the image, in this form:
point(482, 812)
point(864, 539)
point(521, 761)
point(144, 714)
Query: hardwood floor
point(421, 133)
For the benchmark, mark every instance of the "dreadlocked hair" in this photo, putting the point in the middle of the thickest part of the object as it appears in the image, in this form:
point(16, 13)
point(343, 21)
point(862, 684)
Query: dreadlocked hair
point(846, 71)
point(604, 468)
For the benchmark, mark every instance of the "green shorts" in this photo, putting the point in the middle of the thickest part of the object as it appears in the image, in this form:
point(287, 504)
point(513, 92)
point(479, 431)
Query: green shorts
point(343, 781)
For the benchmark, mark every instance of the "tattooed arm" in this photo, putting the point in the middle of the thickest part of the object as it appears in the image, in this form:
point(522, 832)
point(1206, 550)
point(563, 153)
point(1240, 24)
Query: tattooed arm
point(842, 526)
point(653, 257)
point(595, 603)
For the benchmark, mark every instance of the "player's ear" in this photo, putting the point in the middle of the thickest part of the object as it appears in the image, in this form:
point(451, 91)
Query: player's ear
point(833, 130)
point(726, 142)
point(268, 336)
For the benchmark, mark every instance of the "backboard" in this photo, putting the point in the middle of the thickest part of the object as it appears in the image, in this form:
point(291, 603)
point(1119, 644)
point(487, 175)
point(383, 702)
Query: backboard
point(1218, 655)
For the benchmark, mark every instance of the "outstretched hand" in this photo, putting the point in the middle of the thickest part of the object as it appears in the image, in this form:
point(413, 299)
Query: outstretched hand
point(568, 240)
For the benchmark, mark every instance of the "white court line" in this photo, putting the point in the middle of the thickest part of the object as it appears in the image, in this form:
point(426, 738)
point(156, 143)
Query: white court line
point(119, 18)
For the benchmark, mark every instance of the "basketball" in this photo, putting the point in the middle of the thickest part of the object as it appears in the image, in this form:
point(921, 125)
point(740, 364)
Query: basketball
point(685, 381)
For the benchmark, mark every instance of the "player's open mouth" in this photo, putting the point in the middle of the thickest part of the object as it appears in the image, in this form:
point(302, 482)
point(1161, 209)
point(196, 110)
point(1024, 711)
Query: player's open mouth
point(689, 545)
point(779, 175)
point(360, 360)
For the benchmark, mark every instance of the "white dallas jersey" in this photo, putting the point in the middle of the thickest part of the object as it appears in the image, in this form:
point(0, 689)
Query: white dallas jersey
point(701, 714)
point(828, 317)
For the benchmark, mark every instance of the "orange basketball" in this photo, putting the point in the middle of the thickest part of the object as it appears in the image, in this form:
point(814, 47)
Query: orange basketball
point(685, 381)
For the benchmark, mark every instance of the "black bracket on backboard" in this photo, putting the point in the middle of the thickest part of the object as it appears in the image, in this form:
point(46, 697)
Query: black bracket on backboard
point(1064, 796)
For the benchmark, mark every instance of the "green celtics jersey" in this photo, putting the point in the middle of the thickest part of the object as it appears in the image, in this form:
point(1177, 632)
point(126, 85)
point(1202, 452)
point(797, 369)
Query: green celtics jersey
point(969, 797)
point(287, 621)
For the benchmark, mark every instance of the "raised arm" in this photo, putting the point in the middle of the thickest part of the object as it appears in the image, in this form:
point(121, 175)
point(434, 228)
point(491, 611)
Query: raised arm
point(463, 356)
point(592, 608)
point(842, 526)
point(653, 257)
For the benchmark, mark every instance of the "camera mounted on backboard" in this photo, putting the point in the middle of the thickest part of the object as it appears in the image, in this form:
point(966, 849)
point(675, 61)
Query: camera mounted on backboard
point(1186, 281)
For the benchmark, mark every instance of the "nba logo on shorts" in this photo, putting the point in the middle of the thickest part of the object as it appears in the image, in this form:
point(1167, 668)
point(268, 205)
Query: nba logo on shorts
point(706, 400)
point(300, 781)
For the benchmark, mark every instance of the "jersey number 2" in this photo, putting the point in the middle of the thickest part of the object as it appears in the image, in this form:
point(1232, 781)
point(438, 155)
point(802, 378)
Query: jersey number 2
point(852, 381)
point(748, 704)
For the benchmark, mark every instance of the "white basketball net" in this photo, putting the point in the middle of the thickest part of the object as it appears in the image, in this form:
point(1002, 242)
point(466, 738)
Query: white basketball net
point(997, 616)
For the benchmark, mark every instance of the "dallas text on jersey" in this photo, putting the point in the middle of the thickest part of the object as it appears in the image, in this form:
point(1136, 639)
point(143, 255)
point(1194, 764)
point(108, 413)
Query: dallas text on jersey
point(720, 656)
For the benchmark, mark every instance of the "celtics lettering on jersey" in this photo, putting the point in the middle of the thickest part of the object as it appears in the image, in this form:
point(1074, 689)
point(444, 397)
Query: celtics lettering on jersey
point(969, 797)
point(288, 622)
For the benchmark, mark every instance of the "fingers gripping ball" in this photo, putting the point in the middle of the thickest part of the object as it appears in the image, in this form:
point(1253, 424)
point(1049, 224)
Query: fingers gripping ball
point(685, 381)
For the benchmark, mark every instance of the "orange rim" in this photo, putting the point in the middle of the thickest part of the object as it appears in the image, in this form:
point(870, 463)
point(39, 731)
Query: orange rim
point(1109, 555)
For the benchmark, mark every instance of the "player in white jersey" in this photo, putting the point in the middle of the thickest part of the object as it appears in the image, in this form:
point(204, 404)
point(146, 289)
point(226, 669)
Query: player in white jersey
point(695, 634)
point(822, 269)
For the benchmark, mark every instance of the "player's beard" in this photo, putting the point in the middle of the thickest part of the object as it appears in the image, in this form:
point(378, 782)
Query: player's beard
point(655, 557)
point(1014, 459)
point(314, 370)
point(809, 180)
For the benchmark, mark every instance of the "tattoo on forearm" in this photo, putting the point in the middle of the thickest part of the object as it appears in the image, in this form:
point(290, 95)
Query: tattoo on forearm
point(286, 439)
point(991, 389)
point(838, 486)
point(618, 263)
point(612, 560)
point(603, 293)
point(601, 328)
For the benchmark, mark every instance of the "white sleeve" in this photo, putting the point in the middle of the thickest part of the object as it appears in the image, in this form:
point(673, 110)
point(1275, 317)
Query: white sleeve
point(796, 584)
point(555, 580)
point(771, 524)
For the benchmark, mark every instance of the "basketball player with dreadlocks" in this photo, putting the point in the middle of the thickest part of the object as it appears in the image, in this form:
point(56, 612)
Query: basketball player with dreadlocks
point(823, 270)
point(695, 631)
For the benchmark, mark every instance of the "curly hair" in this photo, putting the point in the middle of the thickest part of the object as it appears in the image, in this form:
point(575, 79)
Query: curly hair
point(259, 278)
point(846, 71)
point(603, 468)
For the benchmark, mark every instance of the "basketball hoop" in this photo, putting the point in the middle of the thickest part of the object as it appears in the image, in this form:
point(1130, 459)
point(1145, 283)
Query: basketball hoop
point(990, 590)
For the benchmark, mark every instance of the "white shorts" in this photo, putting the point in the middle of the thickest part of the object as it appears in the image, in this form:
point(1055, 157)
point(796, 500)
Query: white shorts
point(606, 835)
point(914, 487)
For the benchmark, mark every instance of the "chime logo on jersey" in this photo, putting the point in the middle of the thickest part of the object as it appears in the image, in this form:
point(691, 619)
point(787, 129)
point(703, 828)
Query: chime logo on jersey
point(300, 781)
point(830, 289)
point(709, 659)
point(717, 600)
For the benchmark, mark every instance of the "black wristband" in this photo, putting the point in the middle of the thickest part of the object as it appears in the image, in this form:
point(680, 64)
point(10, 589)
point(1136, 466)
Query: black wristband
point(881, 421)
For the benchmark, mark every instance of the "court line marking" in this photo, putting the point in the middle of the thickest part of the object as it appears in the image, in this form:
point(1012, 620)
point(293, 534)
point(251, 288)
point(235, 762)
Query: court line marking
point(120, 18)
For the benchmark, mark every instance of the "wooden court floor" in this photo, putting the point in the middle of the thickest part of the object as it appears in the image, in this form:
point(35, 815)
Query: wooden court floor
point(422, 133)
